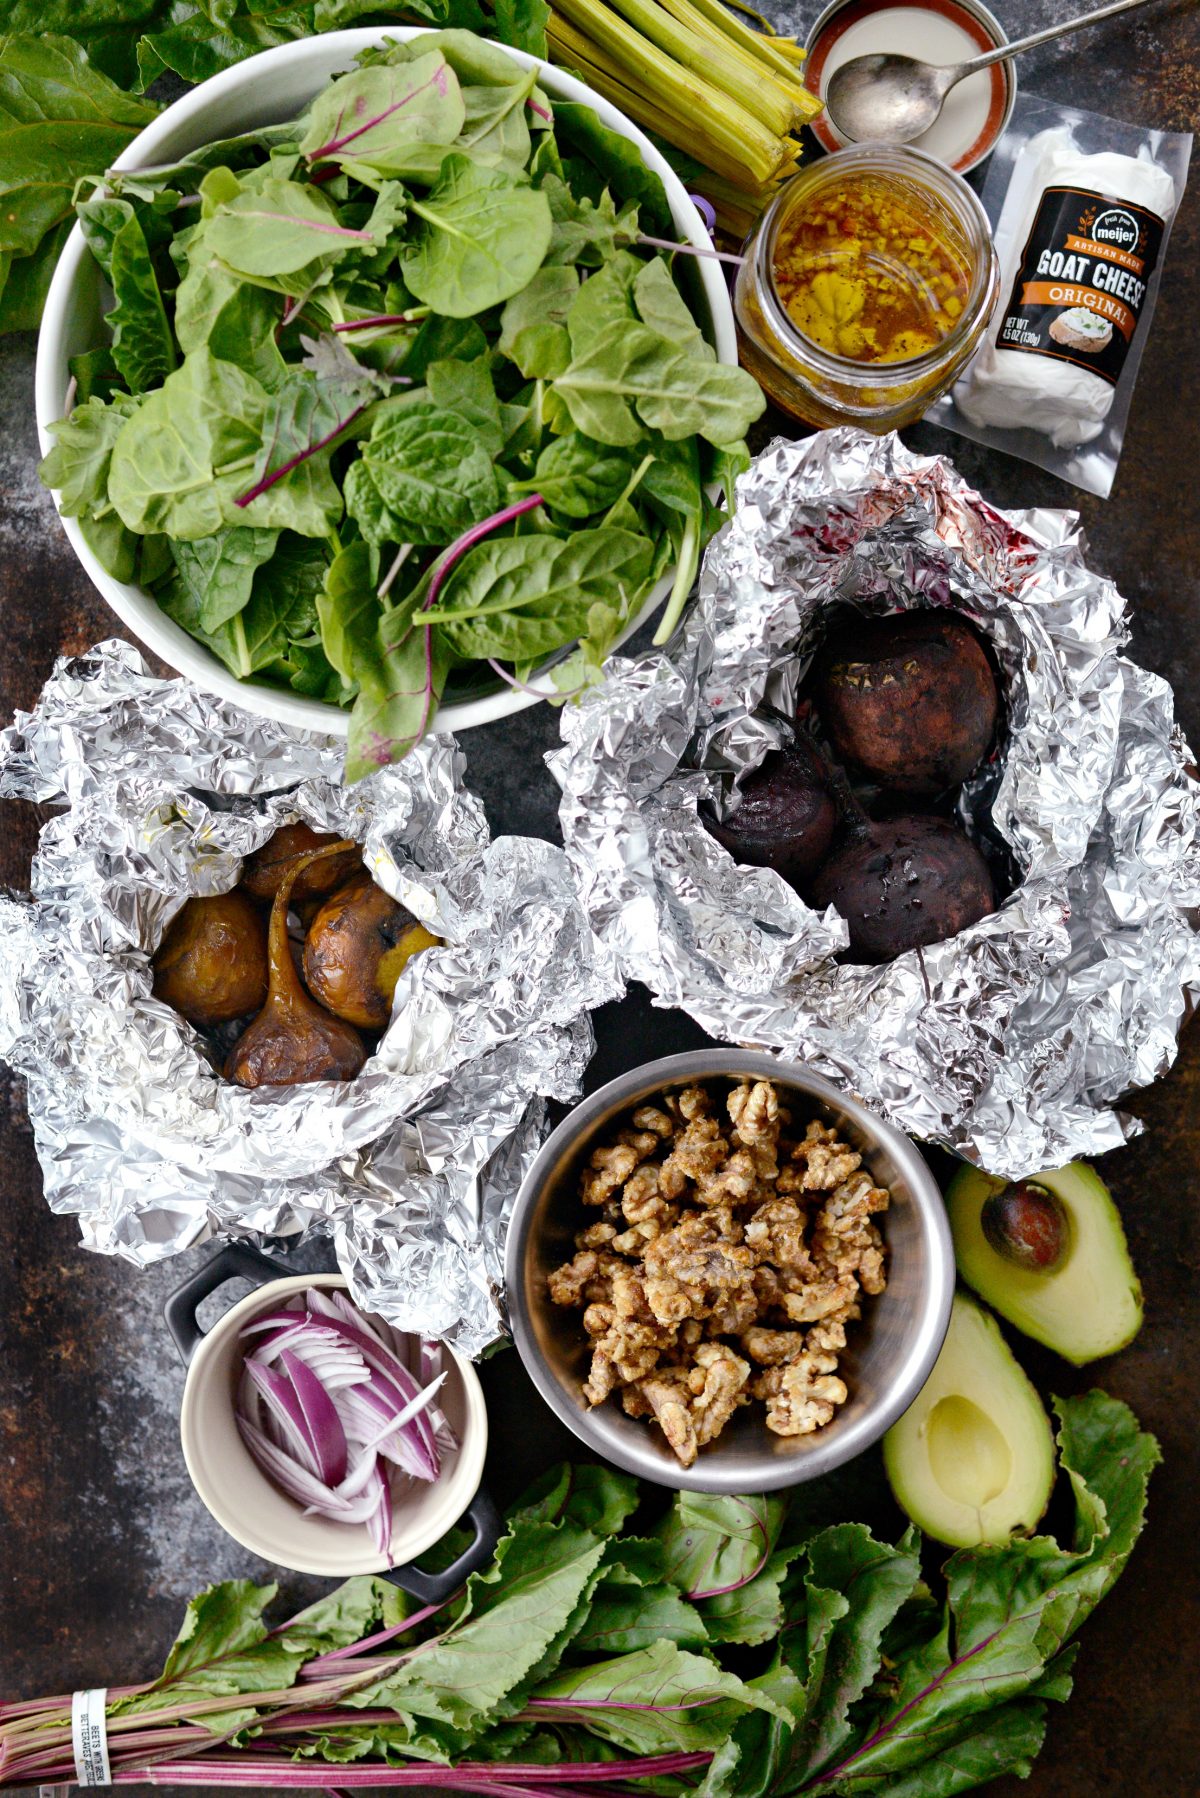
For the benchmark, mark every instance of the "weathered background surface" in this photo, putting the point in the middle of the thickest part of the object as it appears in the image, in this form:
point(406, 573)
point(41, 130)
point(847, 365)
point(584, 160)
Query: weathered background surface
point(101, 1536)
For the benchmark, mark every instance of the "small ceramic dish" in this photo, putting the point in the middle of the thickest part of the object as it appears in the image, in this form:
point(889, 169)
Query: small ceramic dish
point(262, 1518)
point(938, 31)
point(890, 1352)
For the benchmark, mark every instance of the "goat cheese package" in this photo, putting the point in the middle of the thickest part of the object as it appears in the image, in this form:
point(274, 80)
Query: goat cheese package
point(1081, 207)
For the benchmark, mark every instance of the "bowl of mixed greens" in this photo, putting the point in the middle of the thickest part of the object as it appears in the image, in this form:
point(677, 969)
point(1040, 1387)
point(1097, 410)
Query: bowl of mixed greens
point(377, 383)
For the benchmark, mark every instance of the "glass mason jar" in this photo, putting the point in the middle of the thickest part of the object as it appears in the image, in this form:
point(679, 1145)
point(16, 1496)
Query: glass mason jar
point(819, 386)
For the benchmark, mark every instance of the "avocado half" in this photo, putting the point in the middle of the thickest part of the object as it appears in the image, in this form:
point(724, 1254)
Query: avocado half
point(972, 1459)
point(1091, 1303)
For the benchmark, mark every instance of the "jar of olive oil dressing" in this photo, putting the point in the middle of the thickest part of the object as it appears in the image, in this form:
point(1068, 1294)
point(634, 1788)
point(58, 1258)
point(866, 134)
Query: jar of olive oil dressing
point(866, 287)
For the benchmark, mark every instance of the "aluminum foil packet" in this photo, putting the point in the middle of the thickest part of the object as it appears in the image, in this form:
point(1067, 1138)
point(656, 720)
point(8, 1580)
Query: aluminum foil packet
point(413, 1166)
point(1010, 1042)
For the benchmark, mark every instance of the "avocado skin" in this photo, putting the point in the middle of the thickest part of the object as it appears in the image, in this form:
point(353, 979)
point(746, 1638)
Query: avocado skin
point(1066, 1307)
point(975, 1365)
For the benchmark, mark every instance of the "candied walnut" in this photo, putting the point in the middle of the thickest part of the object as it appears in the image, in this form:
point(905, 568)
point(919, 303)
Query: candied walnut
point(690, 1269)
point(596, 1236)
point(716, 1383)
point(649, 1117)
point(584, 1280)
point(712, 1241)
point(669, 1398)
point(642, 1197)
point(699, 1151)
point(608, 1169)
point(776, 1234)
point(844, 1238)
point(803, 1394)
point(770, 1347)
point(819, 1299)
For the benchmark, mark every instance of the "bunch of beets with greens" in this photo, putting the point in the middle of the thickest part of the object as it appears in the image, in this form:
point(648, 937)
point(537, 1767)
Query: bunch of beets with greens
point(402, 397)
point(726, 1649)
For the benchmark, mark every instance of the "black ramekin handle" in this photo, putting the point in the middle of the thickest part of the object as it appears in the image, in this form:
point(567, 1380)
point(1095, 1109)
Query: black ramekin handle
point(236, 1261)
point(435, 1588)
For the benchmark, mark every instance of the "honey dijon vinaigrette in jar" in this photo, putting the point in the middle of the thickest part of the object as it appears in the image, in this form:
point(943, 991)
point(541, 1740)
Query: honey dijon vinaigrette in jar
point(866, 287)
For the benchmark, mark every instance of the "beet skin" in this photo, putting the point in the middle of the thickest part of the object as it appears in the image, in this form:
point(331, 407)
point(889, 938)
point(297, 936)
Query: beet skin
point(784, 816)
point(907, 882)
point(909, 700)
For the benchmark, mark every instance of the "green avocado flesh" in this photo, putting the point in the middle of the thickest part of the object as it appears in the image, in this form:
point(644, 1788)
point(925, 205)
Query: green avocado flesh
point(972, 1459)
point(1090, 1304)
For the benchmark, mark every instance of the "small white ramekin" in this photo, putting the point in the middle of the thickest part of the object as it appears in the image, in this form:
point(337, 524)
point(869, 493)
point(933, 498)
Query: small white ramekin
point(253, 1510)
point(267, 89)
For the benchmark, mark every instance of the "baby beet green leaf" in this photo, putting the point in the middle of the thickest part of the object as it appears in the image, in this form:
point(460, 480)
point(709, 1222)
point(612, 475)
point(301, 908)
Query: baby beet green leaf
point(401, 686)
point(484, 238)
point(596, 1498)
point(278, 228)
point(514, 1613)
point(374, 112)
point(714, 1545)
point(142, 346)
point(652, 1700)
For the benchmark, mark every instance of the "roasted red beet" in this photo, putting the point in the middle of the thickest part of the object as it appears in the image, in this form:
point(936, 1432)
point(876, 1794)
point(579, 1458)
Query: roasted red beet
point(905, 882)
point(910, 699)
point(785, 814)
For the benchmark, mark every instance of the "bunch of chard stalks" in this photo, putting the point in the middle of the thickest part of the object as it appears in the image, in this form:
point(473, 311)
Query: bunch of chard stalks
point(180, 1743)
point(694, 73)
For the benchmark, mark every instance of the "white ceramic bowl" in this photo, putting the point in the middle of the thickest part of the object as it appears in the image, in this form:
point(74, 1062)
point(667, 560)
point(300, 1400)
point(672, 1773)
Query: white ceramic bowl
point(268, 89)
point(253, 1510)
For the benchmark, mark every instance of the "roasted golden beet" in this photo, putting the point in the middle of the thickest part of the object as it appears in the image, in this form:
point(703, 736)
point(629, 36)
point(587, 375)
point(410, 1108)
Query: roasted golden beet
point(909, 700)
point(292, 1039)
point(784, 816)
point(356, 949)
point(263, 871)
point(212, 962)
point(903, 883)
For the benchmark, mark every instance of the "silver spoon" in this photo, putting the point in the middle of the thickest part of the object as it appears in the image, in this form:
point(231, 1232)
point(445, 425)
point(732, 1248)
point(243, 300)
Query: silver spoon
point(892, 99)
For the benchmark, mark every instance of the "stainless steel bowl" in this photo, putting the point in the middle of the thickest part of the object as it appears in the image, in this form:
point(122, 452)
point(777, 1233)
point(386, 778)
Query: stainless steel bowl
point(889, 1354)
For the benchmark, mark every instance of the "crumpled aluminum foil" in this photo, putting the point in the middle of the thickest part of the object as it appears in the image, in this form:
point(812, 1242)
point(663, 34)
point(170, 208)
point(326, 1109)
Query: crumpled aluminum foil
point(414, 1165)
point(1009, 1042)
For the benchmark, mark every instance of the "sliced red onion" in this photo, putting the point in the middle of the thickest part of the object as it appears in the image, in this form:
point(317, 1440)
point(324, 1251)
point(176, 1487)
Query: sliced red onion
point(325, 1401)
point(429, 1367)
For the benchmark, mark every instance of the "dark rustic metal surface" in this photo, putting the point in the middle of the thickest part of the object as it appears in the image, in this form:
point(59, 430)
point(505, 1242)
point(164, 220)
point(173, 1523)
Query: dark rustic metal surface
point(101, 1537)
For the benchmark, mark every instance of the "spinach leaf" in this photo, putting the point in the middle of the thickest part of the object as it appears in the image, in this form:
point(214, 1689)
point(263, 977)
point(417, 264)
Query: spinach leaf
point(440, 340)
point(618, 161)
point(467, 388)
point(523, 24)
point(533, 324)
point(484, 237)
point(519, 598)
point(578, 476)
point(282, 606)
point(142, 345)
point(603, 306)
point(431, 472)
point(218, 572)
point(78, 463)
point(587, 231)
point(349, 611)
point(60, 119)
point(199, 41)
point(672, 392)
point(205, 416)
point(371, 114)
point(661, 306)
